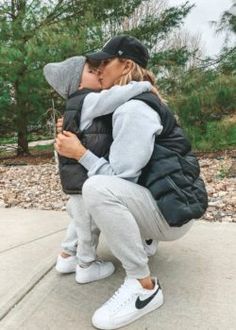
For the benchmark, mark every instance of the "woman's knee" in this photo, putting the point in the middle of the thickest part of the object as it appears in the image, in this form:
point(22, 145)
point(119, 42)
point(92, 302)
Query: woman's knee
point(94, 190)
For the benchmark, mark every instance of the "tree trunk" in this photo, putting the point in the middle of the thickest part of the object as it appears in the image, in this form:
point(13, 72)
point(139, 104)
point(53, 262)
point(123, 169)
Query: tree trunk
point(22, 142)
point(21, 127)
point(21, 120)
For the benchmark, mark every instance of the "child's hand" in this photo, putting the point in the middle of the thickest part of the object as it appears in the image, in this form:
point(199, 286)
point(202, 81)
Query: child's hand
point(59, 125)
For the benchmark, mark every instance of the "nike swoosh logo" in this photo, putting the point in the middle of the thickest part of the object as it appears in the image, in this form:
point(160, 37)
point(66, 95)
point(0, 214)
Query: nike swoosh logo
point(139, 304)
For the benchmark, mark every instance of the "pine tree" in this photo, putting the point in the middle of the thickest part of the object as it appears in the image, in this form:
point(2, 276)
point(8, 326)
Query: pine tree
point(34, 32)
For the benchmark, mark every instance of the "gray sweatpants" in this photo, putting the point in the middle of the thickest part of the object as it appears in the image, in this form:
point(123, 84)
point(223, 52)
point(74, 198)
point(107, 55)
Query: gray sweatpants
point(125, 213)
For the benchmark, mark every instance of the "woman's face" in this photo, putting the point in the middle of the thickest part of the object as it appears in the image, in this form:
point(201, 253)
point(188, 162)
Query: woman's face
point(90, 78)
point(110, 71)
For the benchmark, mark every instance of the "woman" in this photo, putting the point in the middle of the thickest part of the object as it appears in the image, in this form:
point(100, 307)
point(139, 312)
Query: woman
point(148, 188)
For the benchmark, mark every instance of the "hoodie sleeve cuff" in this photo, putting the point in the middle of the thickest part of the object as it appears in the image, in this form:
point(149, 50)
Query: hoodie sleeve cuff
point(88, 160)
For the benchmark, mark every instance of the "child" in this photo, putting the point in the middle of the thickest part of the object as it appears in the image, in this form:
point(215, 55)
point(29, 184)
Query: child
point(86, 109)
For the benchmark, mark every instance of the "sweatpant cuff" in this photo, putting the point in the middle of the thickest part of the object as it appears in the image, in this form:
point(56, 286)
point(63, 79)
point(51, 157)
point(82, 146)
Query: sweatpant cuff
point(139, 273)
point(85, 261)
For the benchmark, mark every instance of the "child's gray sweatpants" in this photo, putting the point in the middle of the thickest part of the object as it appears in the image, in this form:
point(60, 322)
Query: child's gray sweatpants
point(126, 213)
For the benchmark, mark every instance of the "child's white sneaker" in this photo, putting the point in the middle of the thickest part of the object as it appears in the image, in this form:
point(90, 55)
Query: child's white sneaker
point(150, 247)
point(97, 270)
point(128, 304)
point(66, 265)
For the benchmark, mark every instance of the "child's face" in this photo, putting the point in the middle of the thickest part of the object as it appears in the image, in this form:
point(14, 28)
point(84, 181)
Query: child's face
point(90, 78)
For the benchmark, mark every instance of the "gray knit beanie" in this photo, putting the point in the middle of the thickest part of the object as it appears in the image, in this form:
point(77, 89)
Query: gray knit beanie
point(65, 76)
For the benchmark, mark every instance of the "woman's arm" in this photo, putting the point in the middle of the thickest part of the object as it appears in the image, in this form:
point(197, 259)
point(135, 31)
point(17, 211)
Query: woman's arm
point(105, 102)
point(135, 126)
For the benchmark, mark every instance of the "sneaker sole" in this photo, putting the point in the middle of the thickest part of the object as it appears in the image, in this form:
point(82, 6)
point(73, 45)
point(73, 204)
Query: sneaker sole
point(63, 271)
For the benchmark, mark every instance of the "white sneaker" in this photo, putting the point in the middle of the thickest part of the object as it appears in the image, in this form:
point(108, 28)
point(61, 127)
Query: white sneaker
point(128, 304)
point(97, 270)
point(66, 265)
point(150, 247)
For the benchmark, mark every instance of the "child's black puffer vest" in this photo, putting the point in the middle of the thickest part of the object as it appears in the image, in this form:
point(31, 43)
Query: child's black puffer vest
point(97, 138)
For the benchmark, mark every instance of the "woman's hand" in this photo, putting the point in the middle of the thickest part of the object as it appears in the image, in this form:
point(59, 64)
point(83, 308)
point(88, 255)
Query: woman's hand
point(59, 125)
point(68, 145)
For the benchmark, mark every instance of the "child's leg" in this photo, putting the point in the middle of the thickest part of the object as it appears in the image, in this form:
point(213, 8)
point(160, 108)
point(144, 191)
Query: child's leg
point(86, 230)
point(70, 243)
point(84, 234)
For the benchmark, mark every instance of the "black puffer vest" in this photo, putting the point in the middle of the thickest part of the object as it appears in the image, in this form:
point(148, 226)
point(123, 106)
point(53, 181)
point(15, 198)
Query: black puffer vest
point(97, 138)
point(172, 173)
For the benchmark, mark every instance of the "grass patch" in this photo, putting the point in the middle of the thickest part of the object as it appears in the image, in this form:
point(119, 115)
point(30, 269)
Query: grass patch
point(7, 140)
point(216, 136)
point(48, 147)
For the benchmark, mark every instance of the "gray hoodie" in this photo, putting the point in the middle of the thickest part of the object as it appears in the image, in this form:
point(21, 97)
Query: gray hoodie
point(135, 126)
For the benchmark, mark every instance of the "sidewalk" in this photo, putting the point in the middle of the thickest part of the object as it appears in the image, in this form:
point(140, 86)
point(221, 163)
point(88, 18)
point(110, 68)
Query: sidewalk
point(197, 274)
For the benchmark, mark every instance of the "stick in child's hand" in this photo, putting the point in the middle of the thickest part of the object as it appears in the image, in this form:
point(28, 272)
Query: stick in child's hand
point(59, 125)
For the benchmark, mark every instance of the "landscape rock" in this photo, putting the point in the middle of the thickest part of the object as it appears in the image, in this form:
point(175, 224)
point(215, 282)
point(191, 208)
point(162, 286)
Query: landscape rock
point(38, 186)
point(232, 170)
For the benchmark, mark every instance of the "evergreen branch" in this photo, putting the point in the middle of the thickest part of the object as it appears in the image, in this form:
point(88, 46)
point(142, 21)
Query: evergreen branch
point(213, 62)
point(55, 18)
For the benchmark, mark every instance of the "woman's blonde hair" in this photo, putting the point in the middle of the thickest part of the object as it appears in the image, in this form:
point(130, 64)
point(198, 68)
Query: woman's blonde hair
point(137, 73)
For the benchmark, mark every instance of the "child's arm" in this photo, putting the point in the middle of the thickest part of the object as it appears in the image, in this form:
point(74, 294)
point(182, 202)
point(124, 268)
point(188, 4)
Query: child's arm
point(105, 102)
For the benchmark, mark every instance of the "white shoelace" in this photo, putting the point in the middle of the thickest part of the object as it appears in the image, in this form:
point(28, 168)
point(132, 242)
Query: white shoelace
point(120, 297)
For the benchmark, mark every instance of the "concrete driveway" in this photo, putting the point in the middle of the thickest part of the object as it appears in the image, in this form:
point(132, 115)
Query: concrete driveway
point(197, 274)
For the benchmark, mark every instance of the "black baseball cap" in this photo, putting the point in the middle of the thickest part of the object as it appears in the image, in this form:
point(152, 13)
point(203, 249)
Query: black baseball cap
point(124, 47)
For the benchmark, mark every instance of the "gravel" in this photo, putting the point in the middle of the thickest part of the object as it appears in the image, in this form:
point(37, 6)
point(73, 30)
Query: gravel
point(38, 187)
